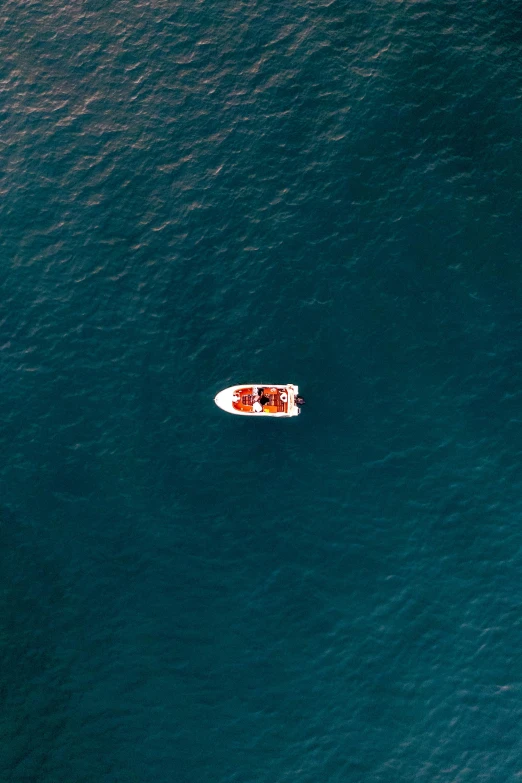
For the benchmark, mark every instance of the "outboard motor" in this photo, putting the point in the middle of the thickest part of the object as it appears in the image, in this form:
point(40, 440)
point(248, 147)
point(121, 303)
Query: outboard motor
point(299, 401)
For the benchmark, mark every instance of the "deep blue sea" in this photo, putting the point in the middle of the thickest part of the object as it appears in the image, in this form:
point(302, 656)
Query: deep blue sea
point(198, 194)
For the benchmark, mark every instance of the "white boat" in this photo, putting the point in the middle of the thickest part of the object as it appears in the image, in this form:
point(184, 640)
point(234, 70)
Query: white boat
point(261, 399)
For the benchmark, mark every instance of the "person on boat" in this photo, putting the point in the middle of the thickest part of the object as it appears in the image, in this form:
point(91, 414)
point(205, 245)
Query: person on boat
point(264, 400)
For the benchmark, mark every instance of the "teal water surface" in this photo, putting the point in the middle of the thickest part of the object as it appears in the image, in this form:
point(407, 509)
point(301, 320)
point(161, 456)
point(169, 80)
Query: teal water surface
point(208, 193)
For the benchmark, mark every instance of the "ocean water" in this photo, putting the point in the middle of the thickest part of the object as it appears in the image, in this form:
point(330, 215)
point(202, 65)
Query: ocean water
point(207, 193)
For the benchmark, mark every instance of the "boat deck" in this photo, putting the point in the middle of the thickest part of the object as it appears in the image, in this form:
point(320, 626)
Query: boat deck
point(275, 404)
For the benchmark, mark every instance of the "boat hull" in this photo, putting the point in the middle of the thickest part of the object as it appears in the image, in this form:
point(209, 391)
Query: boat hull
point(245, 400)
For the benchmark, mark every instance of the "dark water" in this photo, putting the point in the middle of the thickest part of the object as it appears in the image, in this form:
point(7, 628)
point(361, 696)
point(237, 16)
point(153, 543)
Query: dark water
point(207, 193)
